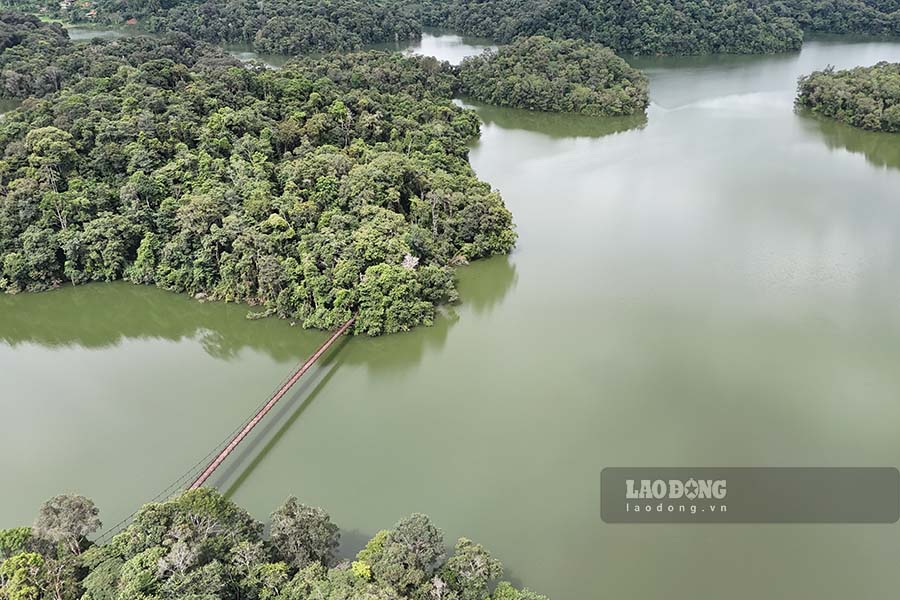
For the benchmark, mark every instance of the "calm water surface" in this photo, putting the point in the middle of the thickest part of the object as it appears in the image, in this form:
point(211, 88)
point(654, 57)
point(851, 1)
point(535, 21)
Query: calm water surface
point(447, 46)
point(717, 284)
point(84, 34)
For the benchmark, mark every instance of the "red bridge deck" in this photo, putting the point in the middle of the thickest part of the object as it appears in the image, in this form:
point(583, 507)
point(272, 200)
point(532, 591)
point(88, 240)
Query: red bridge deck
point(237, 439)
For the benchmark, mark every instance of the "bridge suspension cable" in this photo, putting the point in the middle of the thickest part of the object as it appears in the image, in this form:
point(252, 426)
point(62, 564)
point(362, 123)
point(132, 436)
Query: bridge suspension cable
point(234, 438)
point(253, 422)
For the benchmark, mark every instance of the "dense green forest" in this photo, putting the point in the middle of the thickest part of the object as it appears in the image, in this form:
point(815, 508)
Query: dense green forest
point(313, 197)
point(865, 17)
point(200, 546)
point(627, 26)
point(38, 58)
point(866, 97)
point(274, 26)
point(538, 73)
point(666, 26)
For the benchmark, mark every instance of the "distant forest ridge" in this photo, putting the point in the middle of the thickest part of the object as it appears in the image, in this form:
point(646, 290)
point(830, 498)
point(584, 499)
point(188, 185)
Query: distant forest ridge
point(672, 27)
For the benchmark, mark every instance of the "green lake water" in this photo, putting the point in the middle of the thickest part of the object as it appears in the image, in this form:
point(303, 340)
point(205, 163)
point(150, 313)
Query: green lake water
point(715, 285)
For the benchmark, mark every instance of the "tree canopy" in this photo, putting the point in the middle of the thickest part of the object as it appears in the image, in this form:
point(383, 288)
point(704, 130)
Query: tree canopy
point(310, 194)
point(274, 26)
point(627, 26)
point(667, 26)
point(39, 58)
point(866, 97)
point(200, 545)
point(538, 73)
point(866, 17)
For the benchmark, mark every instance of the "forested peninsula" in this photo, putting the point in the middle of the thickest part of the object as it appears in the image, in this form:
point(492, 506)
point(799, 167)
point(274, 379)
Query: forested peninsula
point(865, 97)
point(313, 197)
point(539, 73)
point(199, 545)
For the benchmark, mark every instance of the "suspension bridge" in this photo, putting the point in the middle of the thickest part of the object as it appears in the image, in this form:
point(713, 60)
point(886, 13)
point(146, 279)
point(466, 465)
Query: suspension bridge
point(190, 480)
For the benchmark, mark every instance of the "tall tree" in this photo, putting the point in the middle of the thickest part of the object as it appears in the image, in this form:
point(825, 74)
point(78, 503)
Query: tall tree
point(67, 519)
point(303, 534)
point(470, 570)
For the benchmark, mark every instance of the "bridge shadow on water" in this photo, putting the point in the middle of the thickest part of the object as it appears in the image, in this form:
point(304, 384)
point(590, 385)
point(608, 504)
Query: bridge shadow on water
point(483, 285)
point(267, 435)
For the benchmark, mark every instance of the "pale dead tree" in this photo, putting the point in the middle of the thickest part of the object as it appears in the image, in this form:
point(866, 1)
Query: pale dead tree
point(344, 118)
point(247, 554)
point(179, 559)
point(67, 519)
point(204, 526)
point(57, 578)
point(436, 199)
point(410, 262)
point(51, 176)
point(58, 204)
point(439, 589)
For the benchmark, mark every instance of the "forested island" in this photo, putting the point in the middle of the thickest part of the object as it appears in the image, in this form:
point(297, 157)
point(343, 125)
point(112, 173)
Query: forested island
point(201, 546)
point(670, 27)
point(866, 97)
point(309, 196)
point(539, 73)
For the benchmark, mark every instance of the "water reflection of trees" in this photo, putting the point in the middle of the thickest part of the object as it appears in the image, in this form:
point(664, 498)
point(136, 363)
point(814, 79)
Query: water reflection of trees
point(556, 125)
point(101, 315)
point(880, 149)
point(483, 284)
